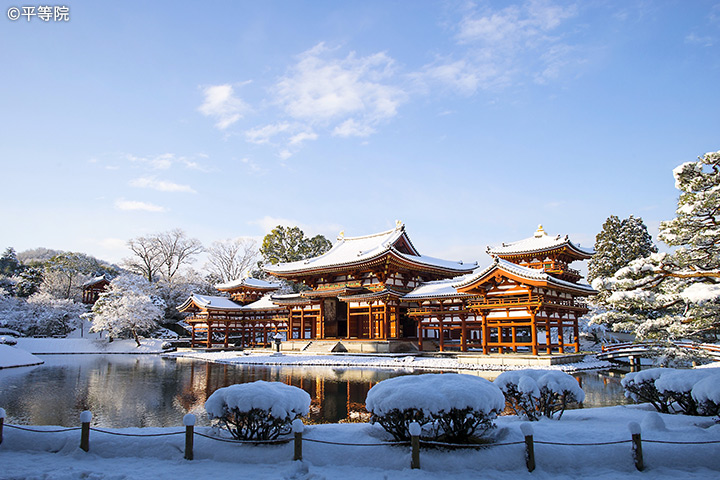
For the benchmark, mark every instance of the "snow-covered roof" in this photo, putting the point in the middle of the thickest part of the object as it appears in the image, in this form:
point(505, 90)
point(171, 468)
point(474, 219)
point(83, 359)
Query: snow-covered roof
point(348, 251)
point(523, 272)
point(449, 287)
point(210, 302)
point(539, 242)
point(247, 282)
point(95, 280)
point(265, 303)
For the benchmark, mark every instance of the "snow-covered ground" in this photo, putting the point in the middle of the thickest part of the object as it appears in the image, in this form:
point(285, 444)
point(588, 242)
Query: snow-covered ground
point(15, 357)
point(370, 361)
point(88, 345)
point(55, 456)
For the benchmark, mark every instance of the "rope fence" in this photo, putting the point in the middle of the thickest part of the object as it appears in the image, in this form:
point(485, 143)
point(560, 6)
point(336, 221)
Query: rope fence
point(415, 442)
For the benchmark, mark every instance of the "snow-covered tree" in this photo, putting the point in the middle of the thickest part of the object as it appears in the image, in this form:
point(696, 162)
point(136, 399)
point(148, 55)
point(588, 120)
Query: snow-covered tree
point(41, 314)
point(675, 295)
point(619, 243)
point(129, 307)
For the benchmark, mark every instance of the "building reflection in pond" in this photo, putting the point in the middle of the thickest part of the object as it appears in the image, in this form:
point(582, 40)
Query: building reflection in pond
point(337, 394)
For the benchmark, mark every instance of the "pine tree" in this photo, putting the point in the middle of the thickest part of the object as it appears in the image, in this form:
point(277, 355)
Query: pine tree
point(676, 295)
point(619, 243)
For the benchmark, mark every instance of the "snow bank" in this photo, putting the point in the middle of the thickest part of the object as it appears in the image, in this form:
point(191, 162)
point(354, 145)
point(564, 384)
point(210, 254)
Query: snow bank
point(57, 456)
point(280, 400)
point(434, 393)
point(16, 357)
point(85, 345)
point(372, 361)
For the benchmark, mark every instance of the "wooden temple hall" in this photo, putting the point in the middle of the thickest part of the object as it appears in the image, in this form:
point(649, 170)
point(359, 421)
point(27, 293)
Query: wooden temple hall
point(380, 289)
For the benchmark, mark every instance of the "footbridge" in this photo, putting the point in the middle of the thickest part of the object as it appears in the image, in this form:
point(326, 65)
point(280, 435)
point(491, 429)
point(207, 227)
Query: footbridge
point(632, 352)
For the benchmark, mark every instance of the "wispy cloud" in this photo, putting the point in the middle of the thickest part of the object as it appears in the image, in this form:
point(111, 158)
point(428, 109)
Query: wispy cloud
point(129, 205)
point(502, 46)
point(222, 104)
point(328, 90)
point(160, 185)
point(264, 134)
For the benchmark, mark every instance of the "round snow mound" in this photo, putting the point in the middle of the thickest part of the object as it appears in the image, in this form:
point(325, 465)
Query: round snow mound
point(434, 393)
point(278, 399)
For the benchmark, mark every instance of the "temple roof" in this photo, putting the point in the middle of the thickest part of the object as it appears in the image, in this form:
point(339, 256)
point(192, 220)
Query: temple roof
point(449, 287)
point(249, 282)
point(540, 242)
point(353, 251)
point(209, 302)
point(95, 281)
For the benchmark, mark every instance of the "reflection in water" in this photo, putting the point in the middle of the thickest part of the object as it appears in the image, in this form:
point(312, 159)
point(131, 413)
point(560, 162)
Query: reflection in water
point(142, 391)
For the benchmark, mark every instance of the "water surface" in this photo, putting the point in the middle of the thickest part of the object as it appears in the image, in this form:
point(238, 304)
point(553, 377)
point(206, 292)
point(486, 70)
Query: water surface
point(150, 391)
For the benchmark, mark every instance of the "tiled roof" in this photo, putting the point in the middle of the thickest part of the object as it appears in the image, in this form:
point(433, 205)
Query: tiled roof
point(357, 250)
point(539, 242)
point(247, 282)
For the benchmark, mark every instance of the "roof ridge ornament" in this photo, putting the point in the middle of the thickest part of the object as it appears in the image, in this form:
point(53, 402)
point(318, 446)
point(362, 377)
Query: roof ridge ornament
point(399, 225)
point(540, 232)
point(341, 235)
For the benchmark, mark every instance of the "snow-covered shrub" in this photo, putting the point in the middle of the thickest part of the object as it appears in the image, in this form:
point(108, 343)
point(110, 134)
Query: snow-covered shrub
point(640, 387)
point(671, 390)
point(532, 393)
point(453, 407)
point(706, 394)
point(678, 385)
point(258, 410)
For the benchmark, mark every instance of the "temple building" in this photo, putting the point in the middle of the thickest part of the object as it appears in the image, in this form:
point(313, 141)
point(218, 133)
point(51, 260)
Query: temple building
point(380, 289)
point(355, 289)
point(527, 299)
point(92, 289)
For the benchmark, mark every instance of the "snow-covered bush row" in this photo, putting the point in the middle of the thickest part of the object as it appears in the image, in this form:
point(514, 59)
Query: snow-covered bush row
point(533, 393)
point(451, 407)
point(258, 410)
point(669, 390)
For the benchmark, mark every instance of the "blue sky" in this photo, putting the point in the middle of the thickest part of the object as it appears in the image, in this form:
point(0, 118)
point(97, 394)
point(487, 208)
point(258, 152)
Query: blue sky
point(471, 122)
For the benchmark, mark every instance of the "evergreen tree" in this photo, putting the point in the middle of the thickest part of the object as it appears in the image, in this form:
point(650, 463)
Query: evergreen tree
point(619, 243)
point(676, 295)
point(289, 244)
point(9, 263)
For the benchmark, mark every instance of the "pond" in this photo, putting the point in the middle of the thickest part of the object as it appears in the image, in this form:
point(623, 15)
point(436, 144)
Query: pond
point(150, 391)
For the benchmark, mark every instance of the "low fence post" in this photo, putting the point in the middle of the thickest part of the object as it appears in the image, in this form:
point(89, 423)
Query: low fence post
point(415, 431)
point(2, 423)
point(527, 431)
point(636, 445)
point(298, 427)
point(85, 418)
point(189, 422)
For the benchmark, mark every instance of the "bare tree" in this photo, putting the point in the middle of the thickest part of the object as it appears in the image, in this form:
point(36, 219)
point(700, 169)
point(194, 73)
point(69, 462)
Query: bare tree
point(146, 261)
point(176, 250)
point(229, 259)
point(162, 254)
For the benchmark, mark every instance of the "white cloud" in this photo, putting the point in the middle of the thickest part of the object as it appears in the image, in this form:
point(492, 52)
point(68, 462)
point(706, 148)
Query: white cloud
point(129, 205)
point(301, 137)
point(351, 128)
point(321, 89)
point(221, 103)
point(160, 185)
point(502, 45)
point(260, 135)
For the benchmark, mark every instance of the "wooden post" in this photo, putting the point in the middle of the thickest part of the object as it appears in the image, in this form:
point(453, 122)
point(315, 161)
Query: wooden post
point(636, 445)
point(85, 418)
point(298, 427)
point(2, 423)
point(189, 422)
point(527, 431)
point(415, 431)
